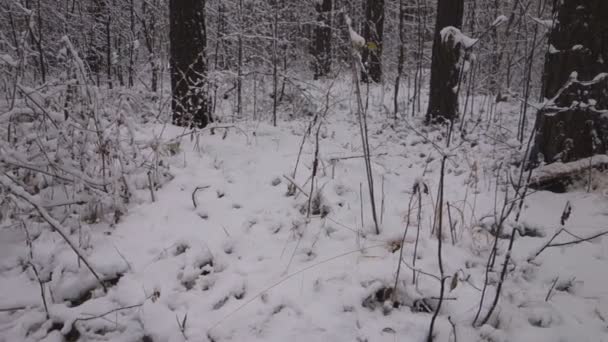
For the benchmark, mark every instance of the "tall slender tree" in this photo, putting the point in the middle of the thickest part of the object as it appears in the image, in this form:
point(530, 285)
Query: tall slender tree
point(322, 41)
point(189, 84)
point(373, 31)
point(443, 100)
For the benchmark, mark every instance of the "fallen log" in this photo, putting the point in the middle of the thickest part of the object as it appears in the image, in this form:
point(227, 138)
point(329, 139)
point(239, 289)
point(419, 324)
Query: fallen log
point(558, 176)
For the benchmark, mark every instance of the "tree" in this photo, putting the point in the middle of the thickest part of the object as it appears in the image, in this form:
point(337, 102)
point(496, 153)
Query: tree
point(322, 41)
point(188, 39)
point(578, 42)
point(572, 126)
point(373, 30)
point(443, 100)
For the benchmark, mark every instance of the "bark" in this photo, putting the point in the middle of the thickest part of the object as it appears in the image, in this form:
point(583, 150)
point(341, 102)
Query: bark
point(108, 34)
point(443, 99)
point(574, 125)
point(39, 43)
point(188, 40)
point(239, 80)
point(578, 42)
point(275, 62)
point(322, 41)
point(148, 24)
point(401, 58)
point(373, 30)
point(132, 41)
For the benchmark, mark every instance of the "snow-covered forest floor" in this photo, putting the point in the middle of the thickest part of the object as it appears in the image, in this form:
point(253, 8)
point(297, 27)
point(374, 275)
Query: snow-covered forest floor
point(222, 253)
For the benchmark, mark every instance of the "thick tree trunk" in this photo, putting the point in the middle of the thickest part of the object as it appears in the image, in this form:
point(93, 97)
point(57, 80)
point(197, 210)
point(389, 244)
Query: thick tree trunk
point(443, 99)
point(373, 30)
point(322, 41)
point(188, 63)
point(578, 43)
point(574, 125)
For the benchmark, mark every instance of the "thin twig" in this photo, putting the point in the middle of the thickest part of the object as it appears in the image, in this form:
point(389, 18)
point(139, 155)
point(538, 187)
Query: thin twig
point(502, 276)
point(198, 188)
point(16, 308)
point(42, 294)
point(151, 185)
point(107, 313)
point(296, 185)
point(21, 193)
point(407, 226)
point(551, 289)
point(289, 276)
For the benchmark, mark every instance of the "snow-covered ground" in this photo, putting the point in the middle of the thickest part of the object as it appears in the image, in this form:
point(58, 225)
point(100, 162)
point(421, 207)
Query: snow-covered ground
point(246, 264)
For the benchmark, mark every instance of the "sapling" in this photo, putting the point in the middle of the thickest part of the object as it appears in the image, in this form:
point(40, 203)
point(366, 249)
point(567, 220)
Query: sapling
point(402, 247)
point(315, 165)
point(357, 43)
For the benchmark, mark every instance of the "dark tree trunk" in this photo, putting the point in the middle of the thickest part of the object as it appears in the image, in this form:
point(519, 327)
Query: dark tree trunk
point(322, 42)
point(372, 32)
point(443, 99)
point(149, 31)
point(39, 43)
point(401, 58)
point(573, 125)
point(188, 39)
point(108, 46)
point(131, 43)
point(95, 50)
point(578, 42)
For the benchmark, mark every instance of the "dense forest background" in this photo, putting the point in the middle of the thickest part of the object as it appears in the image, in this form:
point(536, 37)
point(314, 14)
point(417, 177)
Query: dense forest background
point(317, 170)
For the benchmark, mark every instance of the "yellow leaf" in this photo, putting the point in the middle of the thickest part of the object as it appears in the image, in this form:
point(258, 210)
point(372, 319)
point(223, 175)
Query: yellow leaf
point(372, 46)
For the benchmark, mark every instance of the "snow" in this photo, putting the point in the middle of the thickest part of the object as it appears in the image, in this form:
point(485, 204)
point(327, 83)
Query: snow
point(8, 59)
point(577, 47)
point(355, 38)
point(501, 19)
point(546, 23)
point(559, 168)
point(246, 265)
point(450, 32)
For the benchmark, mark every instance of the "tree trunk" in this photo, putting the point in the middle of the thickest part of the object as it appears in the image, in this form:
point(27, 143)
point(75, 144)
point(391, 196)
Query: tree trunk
point(149, 31)
point(239, 79)
point(188, 39)
point(572, 126)
point(443, 99)
point(578, 43)
point(131, 42)
point(275, 62)
point(322, 41)
point(372, 32)
point(401, 58)
point(108, 47)
point(39, 42)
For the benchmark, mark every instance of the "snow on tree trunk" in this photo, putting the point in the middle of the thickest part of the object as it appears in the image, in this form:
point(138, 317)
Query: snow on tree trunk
point(373, 32)
point(188, 39)
point(443, 98)
point(574, 124)
point(322, 41)
point(578, 43)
